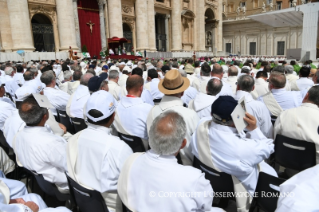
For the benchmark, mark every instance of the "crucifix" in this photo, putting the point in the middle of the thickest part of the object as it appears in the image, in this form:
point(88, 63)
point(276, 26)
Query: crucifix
point(91, 25)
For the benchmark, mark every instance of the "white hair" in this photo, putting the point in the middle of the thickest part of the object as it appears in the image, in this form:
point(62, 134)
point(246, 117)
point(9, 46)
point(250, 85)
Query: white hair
point(67, 75)
point(166, 138)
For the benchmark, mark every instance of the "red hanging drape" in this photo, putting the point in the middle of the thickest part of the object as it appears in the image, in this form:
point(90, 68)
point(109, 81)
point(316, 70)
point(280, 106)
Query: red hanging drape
point(88, 11)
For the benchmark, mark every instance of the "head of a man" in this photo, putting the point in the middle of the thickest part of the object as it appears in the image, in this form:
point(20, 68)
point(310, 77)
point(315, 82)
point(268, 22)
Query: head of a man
point(137, 71)
point(217, 71)
point(315, 77)
point(95, 82)
point(280, 69)
point(32, 114)
point(312, 96)
point(134, 85)
point(173, 84)
point(20, 69)
point(304, 72)
point(100, 109)
point(114, 76)
point(67, 76)
point(48, 78)
point(232, 71)
point(85, 78)
point(28, 75)
point(104, 86)
point(205, 70)
point(289, 69)
point(197, 64)
point(262, 75)
point(151, 74)
point(246, 83)
point(214, 86)
point(277, 80)
point(9, 71)
point(167, 134)
point(2, 88)
point(222, 109)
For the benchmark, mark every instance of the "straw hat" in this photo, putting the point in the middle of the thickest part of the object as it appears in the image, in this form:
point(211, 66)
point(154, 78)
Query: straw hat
point(173, 83)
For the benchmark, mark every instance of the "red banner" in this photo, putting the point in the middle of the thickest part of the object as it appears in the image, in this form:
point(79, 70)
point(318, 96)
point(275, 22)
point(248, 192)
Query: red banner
point(89, 20)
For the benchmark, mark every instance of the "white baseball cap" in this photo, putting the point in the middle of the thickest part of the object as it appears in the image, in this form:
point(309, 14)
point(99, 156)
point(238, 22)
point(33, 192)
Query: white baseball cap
point(102, 101)
point(122, 64)
point(128, 69)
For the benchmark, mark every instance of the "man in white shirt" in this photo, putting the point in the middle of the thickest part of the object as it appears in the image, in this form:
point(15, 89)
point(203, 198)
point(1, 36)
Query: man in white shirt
point(203, 102)
point(229, 151)
point(218, 73)
point(303, 82)
point(289, 71)
point(259, 110)
point(67, 78)
point(57, 98)
point(18, 77)
point(37, 148)
point(74, 84)
point(205, 75)
point(36, 82)
point(132, 112)
point(29, 85)
point(11, 85)
point(6, 106)
point(114, 87)
point(125, 74)
point(152, 85)
point(261, 84)
point(162, 173)
point(79, 98)
point(173, 87)
point(300, 193)
point(190, 93)
point(279, 99)
point(95, 157)
point(302, 122)
point(232, 78)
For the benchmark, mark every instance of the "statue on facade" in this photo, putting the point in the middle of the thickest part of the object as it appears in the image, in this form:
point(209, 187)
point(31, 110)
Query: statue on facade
point(294, 3)
point(271, 6)
point(238, 10)
point(244, 10)
point(263, 7)
point(208, 38)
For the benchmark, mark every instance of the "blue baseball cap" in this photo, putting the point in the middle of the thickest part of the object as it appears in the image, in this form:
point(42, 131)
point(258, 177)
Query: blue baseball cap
point(105, 67)
point(223, 107)
point(95, 82)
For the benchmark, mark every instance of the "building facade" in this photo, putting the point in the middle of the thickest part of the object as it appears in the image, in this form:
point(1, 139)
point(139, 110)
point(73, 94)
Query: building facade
point(151, 25)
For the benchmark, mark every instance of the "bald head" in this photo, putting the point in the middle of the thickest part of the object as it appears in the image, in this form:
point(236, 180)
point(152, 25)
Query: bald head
point(217, 69)
point(28, 75)
point(85, 79)
point(214, 86)
point(232, 71)
point(134, 84)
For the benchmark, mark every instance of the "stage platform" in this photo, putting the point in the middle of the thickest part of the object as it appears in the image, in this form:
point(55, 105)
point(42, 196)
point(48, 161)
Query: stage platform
point(128, 57)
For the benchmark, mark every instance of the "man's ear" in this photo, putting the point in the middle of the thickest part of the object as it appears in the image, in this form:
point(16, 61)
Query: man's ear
point(253, 88)
point(305, 99)
point(183, 143)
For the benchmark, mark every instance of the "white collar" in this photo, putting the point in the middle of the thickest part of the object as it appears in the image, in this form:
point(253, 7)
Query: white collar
point(170, 101)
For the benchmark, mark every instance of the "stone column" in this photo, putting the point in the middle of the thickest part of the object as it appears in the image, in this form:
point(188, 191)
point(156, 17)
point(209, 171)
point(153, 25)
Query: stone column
point(106, 20)
point(76, 23)
point(167, 32)
point(102, 24)
point(20, 25)
point(219, 27)
point(176, 25)
point(5, 28)
point(309, 31)
point(151, 25)
point(142, 25)
point(200, 25)
point(115, 18)
point(66, 25)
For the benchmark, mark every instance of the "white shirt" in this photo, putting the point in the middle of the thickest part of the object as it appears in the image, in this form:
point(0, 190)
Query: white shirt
point(41, 151)
point(122, 80)
point(97, 144)
point(259, 111)
point(11, 85)
point(57, 98)
point(146, 95)
point(114, 89)
point(35, 83)
point(153, 88)
point(232, 81)
point(189, 94)
point(190, 117)
point(200, 83)
point(6, 110)
point(261, 88)
point(133, 114)
point(300, 193)
point(162, 174)
point(237, 156)
point(286, 99)
point(18, 77)
point(80, 98)
point(304, 83)
point(202, 104)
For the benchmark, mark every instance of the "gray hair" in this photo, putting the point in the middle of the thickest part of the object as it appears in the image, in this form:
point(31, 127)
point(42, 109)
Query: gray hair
point(34, 69)
point(34, 113)
point(314, 95)
point(280, 69)
point(47, 77)
point(113, 74)
point(289, 69)
point(103, 83)
point(182, 72)
point(245, 70)
point(246, 83)
point(76, 68)
point(175, 64)
point(214, 86)
point(8, 70)
point(85, 79)
point(278, 79)
point(233, 71)
point(67, 75)
point(317, 75)
point(28, 75)
point(167, 133)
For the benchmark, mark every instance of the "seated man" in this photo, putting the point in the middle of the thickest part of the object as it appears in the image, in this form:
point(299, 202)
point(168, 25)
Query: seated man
point(232, 78)
point(57, 98)
point(190, 93)
point(232, 152)
point(132, 111)
point(278, 98)
point(300, 193)
point(303, 82)
point(259, 110)
point(37, 148)
point(261, 84)
point(203, 102)
point(114, 87)
point(301, 122)
point(74, 84)
point(95, 157)
point(6, 106)
point(205, 75)
point(152, 84)
point(67, 75)
point(160, 173)
point(173, 87)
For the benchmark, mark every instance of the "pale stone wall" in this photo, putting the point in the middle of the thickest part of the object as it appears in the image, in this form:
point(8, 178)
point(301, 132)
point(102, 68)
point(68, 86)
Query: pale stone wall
point(5, 28)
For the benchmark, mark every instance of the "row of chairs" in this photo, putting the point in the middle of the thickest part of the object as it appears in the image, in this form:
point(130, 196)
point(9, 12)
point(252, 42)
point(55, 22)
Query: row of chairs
point(73, 125)
point(289, 153)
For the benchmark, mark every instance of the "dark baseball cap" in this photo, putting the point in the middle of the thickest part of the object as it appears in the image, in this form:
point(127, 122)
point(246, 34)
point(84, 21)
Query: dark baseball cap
point(95, 82)
point(223, 107)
